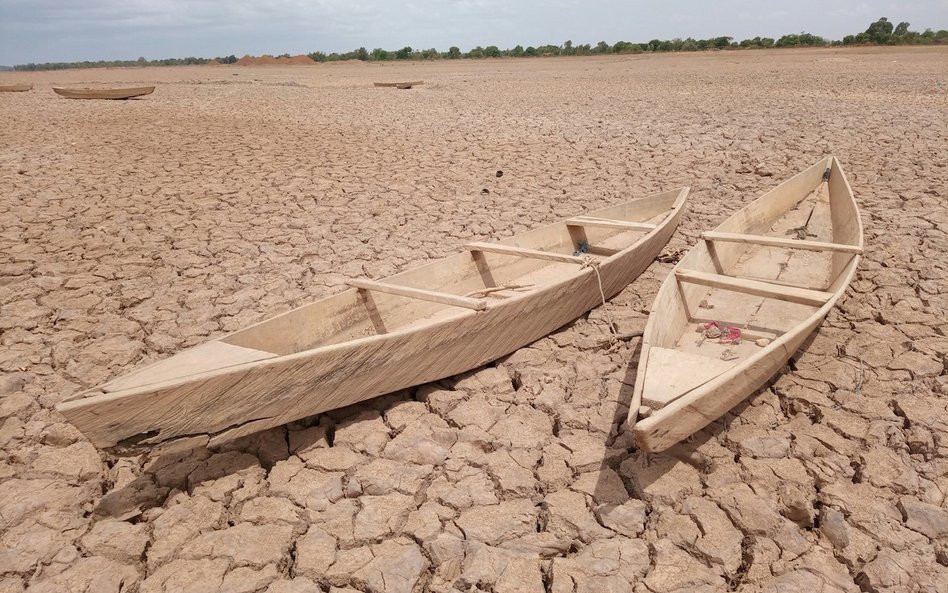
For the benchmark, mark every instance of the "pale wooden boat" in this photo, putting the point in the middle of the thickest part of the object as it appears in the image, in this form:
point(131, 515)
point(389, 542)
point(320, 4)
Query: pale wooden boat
point(15, 88)
point(104, 93)
point(407, 84)
point(378, 337)
point(754, 272)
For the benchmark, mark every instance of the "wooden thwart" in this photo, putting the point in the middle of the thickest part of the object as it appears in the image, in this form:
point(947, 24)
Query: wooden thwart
point(421, 294)
point(780, 242)
point(790, 294)
point(609, 223)
point(523, 252)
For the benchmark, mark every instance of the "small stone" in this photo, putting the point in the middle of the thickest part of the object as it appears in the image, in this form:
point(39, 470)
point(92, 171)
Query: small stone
point(833, 525)
point(762, 342)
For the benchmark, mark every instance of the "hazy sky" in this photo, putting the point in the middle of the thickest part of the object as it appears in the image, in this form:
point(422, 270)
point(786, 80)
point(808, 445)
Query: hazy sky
point(70, 30)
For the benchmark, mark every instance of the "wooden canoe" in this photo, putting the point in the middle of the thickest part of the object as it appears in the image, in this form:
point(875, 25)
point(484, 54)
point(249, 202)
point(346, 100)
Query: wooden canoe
point(378, 337)
point(773, 270)
point(104, 93)
point(15, 88)
point(407, 84)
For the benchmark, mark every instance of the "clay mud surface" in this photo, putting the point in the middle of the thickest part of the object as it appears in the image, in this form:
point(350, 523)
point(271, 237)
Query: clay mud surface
point(131, 230)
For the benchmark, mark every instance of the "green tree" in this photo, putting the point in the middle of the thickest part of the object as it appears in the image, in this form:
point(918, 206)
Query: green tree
point(380, 54)
point(454, 52)
point(568, 47)
point(880, 31)
point(404, 53)
point(362, 54)
point(602, 48)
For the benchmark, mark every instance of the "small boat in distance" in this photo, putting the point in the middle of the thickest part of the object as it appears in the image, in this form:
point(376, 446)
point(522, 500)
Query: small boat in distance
point(15, 88)
point(407, 84)
point(742, 301)
point(379, 336)
point(125, 93)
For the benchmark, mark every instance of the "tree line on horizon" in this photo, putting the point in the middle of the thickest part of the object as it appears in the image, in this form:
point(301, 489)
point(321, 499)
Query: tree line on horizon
point(880, 32)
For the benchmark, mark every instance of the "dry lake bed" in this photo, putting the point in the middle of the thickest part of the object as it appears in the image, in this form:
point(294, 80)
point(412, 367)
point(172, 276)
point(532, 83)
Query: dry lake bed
point(130, 230)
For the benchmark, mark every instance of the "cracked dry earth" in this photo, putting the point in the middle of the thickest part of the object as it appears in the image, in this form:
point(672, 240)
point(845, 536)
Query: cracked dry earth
point(131, 230)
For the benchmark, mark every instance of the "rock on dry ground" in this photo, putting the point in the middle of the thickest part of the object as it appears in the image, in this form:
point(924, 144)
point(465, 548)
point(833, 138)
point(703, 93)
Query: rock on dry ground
point(131, 230)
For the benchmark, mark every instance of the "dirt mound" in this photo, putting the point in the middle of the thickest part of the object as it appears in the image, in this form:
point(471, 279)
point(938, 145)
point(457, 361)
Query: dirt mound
point(300, 60)
point(213, 63)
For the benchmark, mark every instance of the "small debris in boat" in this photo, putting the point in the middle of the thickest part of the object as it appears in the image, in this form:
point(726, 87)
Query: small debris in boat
point(704, 304)
point(762, 342)
point(671, 257)
point(728, 355)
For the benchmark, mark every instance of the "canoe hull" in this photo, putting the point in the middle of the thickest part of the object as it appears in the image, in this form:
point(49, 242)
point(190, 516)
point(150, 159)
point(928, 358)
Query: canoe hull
point(228, 404)
point(707, 402)
point(113, 94)
point(15, 88)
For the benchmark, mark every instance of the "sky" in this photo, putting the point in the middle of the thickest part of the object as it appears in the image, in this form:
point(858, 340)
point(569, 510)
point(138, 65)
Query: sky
point(75, 30)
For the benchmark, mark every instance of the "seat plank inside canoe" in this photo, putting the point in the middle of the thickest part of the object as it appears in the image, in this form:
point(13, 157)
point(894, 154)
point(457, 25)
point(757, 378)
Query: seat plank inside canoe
point(208, 356)
point(664, 381)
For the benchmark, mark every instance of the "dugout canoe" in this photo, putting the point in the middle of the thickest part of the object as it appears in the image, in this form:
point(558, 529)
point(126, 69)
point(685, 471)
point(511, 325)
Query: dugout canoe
point(380, 336)
point(116, 94)
point(15, 88)
point(407, 84)
point(773, 271)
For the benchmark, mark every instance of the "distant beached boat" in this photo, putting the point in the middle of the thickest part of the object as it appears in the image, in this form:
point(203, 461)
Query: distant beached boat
point(15, 88)
point(400, 85)
point(742, 302)
point(125, 93)
point(380, 336)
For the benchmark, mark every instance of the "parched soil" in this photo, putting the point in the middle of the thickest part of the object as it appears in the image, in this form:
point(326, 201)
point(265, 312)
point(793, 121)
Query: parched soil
point(130, 230)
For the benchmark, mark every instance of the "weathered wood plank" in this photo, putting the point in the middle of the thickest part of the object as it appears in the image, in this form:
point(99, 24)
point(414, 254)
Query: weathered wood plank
point(610, 223)
point(523, 252)
point(418, 293)
point(803, 296)
point(780, 242)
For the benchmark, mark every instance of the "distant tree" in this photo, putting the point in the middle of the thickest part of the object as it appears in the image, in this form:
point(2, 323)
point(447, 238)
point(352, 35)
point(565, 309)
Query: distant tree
point(142, 60)
point(530, 51)
point(477, 52)
point(568, 47)
point(492, 51)
point(721, 42)
point(517, 51)
point(318, 56)
point(602, 48)
point(404, 53)
point(622, 47)
point(380, 54)
point(880, 31)
point(454, 52)
point(901, 29)
point(361, 54)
